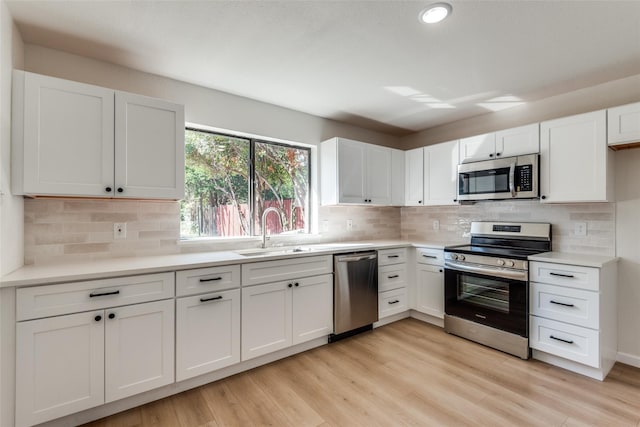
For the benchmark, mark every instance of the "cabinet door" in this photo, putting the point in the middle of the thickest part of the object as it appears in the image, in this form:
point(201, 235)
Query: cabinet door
point(430, 290)
point(441, 173)
point(378, 175)
point(207, 333)
point(397, 177)
point(68, 137)
point(149, 149)
point(623, 124)
point(312, 315)
point(479, 147)
point(59, 366)
point(139, 348)
point(266, 319)
point(518, 141)
point(351, 171)
point(573, 159)
point(414, 184)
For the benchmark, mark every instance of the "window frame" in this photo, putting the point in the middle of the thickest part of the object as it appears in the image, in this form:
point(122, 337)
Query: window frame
point(252, 181)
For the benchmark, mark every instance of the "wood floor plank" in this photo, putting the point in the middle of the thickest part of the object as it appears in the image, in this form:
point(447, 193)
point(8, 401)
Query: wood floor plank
point(404, 374)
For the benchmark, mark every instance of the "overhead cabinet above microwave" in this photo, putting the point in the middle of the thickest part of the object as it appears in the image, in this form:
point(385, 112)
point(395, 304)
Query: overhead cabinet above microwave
point(504, 143)
point(75, 139)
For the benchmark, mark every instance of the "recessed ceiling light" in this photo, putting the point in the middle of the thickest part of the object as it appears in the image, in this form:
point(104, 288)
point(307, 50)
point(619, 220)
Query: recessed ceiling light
point(435, 12)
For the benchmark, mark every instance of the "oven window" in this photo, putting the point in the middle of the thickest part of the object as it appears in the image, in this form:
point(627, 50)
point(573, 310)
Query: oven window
point(487, 293)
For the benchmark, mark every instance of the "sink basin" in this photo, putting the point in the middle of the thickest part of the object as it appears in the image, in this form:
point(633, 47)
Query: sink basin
point(273, 251)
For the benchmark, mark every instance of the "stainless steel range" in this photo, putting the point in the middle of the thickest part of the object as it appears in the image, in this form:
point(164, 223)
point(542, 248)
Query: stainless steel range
point(487, 284)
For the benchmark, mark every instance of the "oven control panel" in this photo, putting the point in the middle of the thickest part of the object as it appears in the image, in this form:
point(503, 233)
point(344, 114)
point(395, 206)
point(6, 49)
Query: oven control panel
point(487, 261)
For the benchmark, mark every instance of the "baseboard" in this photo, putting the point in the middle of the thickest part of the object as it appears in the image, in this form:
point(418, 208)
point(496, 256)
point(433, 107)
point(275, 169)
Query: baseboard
point(391, 319)
point(628, 359)
point(427, 318)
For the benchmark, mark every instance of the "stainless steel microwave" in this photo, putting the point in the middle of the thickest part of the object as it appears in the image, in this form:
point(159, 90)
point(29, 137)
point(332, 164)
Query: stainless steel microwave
point(499, 179)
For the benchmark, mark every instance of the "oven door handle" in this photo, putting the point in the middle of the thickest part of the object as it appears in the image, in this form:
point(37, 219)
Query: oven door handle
point(495, 272)
point(512, 179)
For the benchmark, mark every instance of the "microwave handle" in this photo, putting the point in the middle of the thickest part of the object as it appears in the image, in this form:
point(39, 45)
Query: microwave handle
point(512, 176)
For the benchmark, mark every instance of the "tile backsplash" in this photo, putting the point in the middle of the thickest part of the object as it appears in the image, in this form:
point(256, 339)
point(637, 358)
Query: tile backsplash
point(81, 229)
point(454, 222)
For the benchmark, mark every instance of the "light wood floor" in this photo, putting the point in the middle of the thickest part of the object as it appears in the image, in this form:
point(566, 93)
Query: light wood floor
point(406, 373)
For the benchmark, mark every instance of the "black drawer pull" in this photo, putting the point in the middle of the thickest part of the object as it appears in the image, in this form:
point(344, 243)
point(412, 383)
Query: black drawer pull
point(430, 256)
point(395, 276)
point(570, 276)
point(103, 294)
point(564, 304)
point(560, 339)
point(211, 280)
point(211, 299)
point(393, 256)
point(394, 302)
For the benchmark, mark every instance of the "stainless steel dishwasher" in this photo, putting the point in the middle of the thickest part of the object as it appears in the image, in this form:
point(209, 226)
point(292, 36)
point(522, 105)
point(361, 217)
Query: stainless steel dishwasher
point(355, 293)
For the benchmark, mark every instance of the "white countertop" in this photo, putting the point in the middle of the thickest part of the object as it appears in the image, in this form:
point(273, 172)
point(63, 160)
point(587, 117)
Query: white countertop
point(583, 260)
point(96, 269)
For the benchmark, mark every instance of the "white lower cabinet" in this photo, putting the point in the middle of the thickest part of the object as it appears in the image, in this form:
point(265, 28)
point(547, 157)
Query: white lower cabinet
point(278, 315)
point(75, 361)
point(429, 292)
point(392, 282)
point(207, 333)
point(52, 381)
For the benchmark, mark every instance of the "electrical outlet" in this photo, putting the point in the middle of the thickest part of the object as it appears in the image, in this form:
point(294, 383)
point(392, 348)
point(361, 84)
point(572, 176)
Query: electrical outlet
point(120, 230)
point(325, 225)
point(436, 225)
point(580, 229)
point(349, 224)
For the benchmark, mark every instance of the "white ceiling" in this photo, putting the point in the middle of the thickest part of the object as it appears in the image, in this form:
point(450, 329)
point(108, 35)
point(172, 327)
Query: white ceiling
point(370, 63)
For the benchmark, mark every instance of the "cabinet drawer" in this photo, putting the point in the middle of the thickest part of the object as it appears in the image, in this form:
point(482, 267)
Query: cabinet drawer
point(392, 302)
point(571, 342)
point(286, 269)
point(392, 277)
point(65, 298)
point(189, 282)
point(429, 256)
point(392, 256)
point(569, 305)
point(572, 276)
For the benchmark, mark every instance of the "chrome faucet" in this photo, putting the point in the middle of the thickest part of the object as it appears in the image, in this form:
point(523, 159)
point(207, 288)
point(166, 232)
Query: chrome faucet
point(264, 228)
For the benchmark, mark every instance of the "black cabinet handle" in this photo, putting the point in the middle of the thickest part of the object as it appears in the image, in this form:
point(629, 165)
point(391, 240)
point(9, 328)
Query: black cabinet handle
point(98, 318)
point(211, 299)
point(211, 279)
point(491, 155)
point(419, 201)
point(560, 339)
point(394, 302)
point(108, 189)
point(290, 285)
point(92, 295)
point(296, 284)
point(430, 256)
point(564, 304)
point(120, 189)
point(440, 270)
point(497, 154)
point(395, 276)
point(543, 197)
point(569, 276)
point(112, 315)
point(455, 200)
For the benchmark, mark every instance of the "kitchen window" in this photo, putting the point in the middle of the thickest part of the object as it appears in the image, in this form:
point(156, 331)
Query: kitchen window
point(230, 181)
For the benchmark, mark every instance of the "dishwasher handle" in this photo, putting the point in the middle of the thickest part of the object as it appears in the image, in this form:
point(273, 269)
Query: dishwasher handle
point(352, 258)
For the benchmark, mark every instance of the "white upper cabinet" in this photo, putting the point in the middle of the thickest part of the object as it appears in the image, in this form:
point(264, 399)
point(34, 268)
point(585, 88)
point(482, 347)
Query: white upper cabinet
point(414, 181)
point(354, 172)
point(575, 163)
point(75, 139)
point(479, 147)
point(623, 124)
point(518, 141)
point(397, 177)
point(504, 143)
point(431, 174)
point(441, 173)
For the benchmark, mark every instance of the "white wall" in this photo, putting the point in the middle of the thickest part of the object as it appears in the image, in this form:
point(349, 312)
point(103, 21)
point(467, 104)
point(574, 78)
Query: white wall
point(11, 213)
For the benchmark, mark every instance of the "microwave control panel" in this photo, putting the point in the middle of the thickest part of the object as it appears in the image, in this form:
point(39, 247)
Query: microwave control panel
point(524, 178)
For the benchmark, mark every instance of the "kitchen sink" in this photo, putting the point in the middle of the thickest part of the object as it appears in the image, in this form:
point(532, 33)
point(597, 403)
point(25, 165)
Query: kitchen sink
point(273, 251)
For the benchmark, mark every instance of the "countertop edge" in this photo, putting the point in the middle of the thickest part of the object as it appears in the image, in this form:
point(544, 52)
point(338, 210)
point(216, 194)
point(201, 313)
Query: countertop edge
point(566, 258)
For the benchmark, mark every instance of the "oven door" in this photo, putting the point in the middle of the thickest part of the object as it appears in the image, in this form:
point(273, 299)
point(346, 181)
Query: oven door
point(498, 302)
